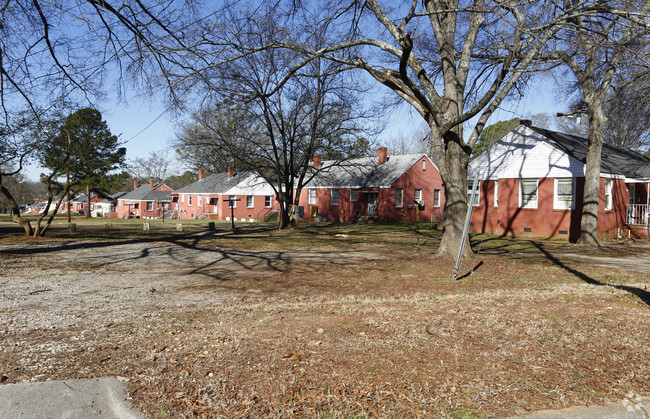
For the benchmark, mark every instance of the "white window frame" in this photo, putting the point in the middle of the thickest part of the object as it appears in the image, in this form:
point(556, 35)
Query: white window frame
point(417, 195)
point(353, 195)
point(399, 198)
point(424, 165)
point(312, 196)
point(436, 198)
point(233, 203)
point(533, 203)
point(478, 192)
point(149, 204)
point(182, 197)
point(268, 201)
point(200, 201)
point(563, 204)
point(334, 197)
point(250, 204)
point(496, 193)
point(608, 195)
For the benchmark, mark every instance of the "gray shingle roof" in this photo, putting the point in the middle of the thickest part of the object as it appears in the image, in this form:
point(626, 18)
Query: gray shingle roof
point(216, 183)
point(615, 160)
point(146, 193)
point(365, 172)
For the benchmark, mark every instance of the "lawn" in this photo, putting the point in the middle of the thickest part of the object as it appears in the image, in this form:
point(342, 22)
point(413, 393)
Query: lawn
point(324, 320)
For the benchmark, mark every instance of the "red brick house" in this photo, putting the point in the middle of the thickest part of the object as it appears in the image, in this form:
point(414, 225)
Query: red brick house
point(383, 189)
point(532, 182)
point(210, 197)
point(144, 201)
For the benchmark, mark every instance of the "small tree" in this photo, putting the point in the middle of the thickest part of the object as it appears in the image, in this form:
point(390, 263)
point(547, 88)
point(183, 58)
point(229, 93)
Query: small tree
point(87, 151)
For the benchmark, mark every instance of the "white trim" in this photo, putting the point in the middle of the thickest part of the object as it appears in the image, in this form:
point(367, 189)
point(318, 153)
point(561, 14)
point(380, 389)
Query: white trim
point(496, 193)
point(563, 205)
point(252, 204)
point(521, 193)
point(338, 197)
point(608, 192)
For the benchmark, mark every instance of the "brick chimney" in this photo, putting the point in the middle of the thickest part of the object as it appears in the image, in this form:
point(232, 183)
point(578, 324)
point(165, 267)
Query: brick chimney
point(316, 160)
point(201, 174)
point(231, 172)
point(383, 155)
point(526, 122)
point(135, 183)
point(151, 183)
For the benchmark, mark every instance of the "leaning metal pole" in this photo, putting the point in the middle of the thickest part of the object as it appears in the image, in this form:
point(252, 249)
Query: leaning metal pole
point(470, 208)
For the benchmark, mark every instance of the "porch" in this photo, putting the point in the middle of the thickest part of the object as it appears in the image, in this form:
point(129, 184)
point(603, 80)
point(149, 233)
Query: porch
point(637, 214)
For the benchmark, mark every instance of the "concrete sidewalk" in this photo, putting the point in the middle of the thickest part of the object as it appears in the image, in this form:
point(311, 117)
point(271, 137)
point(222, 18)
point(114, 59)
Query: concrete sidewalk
point(70, 399)
point(631, 408)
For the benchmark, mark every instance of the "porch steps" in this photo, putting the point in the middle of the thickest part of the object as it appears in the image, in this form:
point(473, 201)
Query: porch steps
point(271, 216)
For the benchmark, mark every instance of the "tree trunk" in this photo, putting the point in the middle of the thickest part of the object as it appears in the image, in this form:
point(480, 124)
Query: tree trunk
point(589, 220)
point(454, 177)
point(15, 211)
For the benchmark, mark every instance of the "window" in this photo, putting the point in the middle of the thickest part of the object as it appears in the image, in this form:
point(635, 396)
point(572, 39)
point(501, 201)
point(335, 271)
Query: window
point(608, 194)
point(563, 193)
point(424, 165)
point(189, 200)
point(233, 203)
point(436, 197)
point(200, 201)
point(399, 198)
point(312, 196)
point(353, 195)
point(149, 206)
point(334, 197)
point(477, 197)
point(166, 206)
point(267, 201)
point(496, 193)
point(417, 195)
point(249, 201)
point(182, 198)
point(528, 195)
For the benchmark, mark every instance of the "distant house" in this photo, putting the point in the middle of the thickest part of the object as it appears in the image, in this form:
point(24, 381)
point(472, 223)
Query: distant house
point(144, 201)
point(107, 207)
point(532, 182)
point(383, 189)
point(211, 197)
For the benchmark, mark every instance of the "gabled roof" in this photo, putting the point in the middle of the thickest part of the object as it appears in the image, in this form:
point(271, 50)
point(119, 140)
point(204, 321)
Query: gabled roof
point(217, 183)
point(364, 172)
point(146, 193)
point(614, 160)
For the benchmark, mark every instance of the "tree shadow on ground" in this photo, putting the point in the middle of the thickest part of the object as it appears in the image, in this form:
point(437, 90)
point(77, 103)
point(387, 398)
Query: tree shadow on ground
point(642, 294)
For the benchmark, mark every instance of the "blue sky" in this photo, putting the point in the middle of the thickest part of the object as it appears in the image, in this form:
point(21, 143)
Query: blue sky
point(146, 126)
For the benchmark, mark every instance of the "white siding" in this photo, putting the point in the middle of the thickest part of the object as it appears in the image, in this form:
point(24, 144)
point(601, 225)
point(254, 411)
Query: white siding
point(543, 161)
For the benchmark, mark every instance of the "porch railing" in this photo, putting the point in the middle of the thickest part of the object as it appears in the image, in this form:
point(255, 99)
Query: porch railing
point(638, 214)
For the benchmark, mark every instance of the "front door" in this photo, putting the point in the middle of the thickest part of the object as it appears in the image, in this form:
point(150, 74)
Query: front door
point(372, 204)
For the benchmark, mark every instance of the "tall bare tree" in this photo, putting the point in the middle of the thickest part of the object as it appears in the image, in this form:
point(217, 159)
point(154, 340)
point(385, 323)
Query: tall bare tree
point(272, 125)
point(592, 48)
point(451, 61)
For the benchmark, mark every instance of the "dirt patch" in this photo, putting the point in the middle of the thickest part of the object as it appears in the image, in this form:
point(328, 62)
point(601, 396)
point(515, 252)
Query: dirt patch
point(210, 332)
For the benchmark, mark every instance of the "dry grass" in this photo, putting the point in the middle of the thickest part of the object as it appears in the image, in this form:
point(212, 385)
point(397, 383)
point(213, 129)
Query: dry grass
point(379, 332)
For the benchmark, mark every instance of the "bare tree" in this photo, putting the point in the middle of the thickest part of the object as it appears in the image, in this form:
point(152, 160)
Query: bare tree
point(157, 166)
point(592, 48)
point(273, 126)
point(450, 61)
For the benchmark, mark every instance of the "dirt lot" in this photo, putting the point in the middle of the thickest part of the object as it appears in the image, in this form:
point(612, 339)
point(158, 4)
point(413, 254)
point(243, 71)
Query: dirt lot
point(213, 325)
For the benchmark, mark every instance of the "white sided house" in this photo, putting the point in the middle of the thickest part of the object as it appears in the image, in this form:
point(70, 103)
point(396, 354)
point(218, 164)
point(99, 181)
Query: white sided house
point(532, 182)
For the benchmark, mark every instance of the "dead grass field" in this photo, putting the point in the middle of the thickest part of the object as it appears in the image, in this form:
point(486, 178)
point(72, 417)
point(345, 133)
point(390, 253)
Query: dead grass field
point(326, 321)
